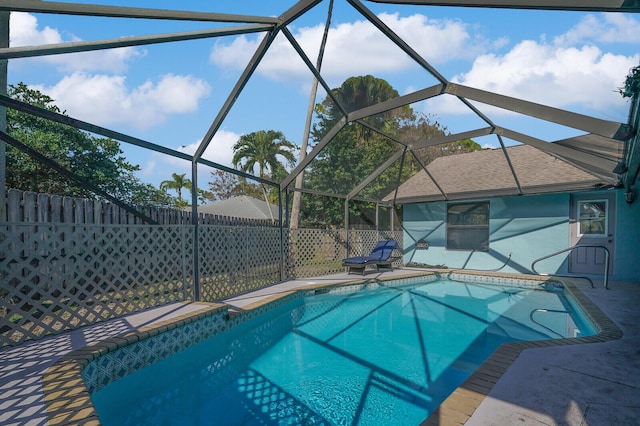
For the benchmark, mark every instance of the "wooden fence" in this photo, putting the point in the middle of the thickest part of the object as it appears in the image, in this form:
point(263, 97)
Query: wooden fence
point(24, 206)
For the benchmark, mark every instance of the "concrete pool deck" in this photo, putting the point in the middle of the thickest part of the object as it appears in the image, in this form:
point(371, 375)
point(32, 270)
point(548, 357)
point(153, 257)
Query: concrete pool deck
point(585, 384)
point(592, 384)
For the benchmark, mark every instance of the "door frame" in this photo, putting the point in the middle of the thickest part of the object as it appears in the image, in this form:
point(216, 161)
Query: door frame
point(607, 240)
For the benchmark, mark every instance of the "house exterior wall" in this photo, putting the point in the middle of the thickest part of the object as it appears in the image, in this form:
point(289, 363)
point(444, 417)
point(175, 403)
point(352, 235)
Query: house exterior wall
point(527, 227)
point(626, 265)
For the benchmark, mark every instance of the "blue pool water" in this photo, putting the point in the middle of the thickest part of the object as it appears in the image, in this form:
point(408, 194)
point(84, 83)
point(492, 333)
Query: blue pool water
point(370, 357)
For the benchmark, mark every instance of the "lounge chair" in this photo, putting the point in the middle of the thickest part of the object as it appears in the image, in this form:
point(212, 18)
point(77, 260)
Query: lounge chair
point(380, 257)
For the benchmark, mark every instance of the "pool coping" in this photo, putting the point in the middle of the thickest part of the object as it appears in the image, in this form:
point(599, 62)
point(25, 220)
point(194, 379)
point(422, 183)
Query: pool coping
point(68, 400)
point(66, 396)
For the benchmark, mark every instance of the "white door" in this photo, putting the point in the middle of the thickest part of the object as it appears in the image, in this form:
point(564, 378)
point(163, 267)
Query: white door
point(592, 223)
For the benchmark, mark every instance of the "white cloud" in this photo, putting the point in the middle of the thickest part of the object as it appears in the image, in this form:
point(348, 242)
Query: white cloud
point(235, 54)
point(355, 48)
point(174, 94)
point(436, 40)
point(112, 60)
point(220, 151)
point(569, 70)
point(605, 28)
point(106, 100)
point(563, 77)
point(149, 168)
point(25, 31)
point(553, 76)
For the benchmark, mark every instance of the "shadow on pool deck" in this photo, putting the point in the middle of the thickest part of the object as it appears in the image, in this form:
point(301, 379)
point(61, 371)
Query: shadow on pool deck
point(593, 384)
point(22, 368)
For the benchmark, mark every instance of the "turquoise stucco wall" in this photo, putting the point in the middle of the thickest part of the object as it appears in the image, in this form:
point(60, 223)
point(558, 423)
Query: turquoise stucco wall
point(626, 265)
point(528, 227)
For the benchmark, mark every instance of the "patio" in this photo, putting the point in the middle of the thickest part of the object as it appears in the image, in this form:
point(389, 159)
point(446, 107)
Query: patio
point(104, 279)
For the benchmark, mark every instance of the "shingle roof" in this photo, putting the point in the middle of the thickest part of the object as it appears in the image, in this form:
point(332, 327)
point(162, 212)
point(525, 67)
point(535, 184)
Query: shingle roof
point(242, 206)
point(487, 173)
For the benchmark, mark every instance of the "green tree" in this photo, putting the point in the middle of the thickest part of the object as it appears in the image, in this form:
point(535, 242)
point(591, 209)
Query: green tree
point(177, 182)
point(225, 185)
point(95, 160)
point(357, 151)
point(264, 149)
point(424, 129)
point(357, 93)
point(631, 86)
point(297, 196)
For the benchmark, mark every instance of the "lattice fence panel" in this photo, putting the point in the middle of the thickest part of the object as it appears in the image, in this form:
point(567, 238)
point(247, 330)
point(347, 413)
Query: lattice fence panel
point(237, 259)
point(314, 252)
point(264, 257)
point(60, 277)
point(221, 261)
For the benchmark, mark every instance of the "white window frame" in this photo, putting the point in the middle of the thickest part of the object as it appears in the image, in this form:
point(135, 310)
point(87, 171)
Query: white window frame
point(579, 204)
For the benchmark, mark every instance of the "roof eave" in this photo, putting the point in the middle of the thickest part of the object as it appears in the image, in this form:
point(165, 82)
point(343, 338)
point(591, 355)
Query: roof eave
point(506, 192)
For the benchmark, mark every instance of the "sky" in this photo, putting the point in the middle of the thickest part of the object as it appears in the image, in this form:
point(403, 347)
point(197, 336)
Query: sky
point(169, 94)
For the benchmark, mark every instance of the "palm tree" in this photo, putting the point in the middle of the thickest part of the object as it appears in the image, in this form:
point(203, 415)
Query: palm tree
point(262, 148)
point(178, 182)
point(359, 92)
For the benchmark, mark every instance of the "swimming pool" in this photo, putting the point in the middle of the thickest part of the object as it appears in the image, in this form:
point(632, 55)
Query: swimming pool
point(354, 355)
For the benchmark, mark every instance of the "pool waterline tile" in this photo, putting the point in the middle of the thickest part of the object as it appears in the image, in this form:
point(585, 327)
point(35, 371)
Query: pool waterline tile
point(65, 407)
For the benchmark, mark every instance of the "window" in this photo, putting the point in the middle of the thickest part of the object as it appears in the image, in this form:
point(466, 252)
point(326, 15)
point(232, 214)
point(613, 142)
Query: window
point(592, 218)
point(468, 226)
